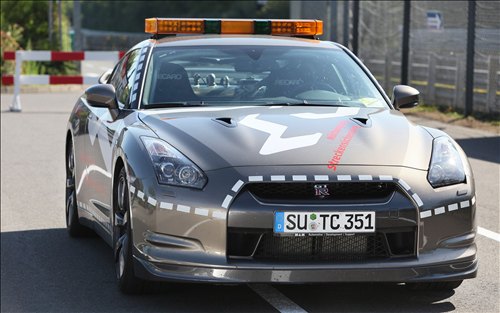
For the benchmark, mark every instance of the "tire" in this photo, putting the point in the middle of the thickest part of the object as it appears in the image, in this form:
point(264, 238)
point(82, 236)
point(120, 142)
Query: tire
point(128, 283)
point(75, 229)
point(435, 286)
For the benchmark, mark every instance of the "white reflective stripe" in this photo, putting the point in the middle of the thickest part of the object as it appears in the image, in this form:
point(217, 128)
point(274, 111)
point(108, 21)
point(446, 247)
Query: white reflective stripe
point(277, 177)
point(166, 205)
point(464, 204)
point(152, 201)
point(299, 177)
point(219, 215)
point(344, 177)
point(43, 55)
point(321, 177)
point(385, 177)
point(255, 178)
point(439, 210)
point(365, 177)
point(417, 199)
point(132, 189)
point(473, 200)
point(183, 208)
point(34, 79)
point(237, 186)
point(404, 184)
point(101, 56)
point(227, 201)
point(90, 80)
point(453, 207)
point(203, 212)
point(425, 214)
point(140, 194)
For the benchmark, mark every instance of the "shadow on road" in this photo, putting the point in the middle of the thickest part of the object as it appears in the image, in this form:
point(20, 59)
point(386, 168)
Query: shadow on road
point(485, 148)
point(47, 271)
point(366, 297)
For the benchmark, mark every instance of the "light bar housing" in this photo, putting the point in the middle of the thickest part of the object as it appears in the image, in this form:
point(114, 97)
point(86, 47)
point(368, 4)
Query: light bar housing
point(172, 26)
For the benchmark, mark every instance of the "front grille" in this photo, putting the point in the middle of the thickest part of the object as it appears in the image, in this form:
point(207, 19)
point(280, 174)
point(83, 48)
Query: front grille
point(307, 191)
point(342, 248)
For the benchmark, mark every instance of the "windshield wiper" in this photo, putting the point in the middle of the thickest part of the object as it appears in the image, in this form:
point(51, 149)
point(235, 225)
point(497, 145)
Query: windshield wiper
point(174, 104)
point(304, 103)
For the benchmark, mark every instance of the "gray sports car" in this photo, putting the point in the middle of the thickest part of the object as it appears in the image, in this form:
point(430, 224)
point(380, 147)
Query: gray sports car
point(238, 151)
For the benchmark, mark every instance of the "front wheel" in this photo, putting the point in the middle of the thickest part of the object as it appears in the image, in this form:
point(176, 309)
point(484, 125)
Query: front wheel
point(122, 239)
point(75, 229)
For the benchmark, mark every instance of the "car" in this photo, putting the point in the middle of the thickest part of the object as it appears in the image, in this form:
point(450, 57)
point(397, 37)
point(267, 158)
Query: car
point(248, 151)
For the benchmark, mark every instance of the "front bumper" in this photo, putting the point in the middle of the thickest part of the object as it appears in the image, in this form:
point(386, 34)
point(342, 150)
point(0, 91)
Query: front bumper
point(426, 269)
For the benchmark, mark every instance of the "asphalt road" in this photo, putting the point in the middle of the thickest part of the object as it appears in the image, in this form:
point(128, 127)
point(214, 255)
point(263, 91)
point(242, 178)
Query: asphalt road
point(44, 270)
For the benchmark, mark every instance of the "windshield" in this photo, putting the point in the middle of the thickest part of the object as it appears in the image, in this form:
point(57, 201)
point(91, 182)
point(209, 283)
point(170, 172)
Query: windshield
point(256, 75)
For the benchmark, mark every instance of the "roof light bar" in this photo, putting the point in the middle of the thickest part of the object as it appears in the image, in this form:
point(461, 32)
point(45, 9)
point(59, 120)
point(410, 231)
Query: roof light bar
point(157, 26)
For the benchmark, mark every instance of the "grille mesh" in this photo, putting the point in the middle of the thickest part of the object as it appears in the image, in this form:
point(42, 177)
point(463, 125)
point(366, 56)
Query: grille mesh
point(328, 248)
point(306, 191)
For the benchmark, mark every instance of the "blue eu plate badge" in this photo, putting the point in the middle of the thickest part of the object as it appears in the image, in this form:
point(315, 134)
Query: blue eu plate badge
point(279, 222)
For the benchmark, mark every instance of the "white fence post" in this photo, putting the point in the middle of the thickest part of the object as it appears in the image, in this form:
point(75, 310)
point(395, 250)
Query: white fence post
point(16, 102)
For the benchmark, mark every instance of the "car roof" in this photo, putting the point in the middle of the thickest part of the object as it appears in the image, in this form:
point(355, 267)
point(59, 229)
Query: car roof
point(243, 40)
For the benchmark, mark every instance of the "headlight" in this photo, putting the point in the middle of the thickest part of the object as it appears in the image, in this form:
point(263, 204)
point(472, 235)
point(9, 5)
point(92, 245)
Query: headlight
point(171, 166)
point(446, 165)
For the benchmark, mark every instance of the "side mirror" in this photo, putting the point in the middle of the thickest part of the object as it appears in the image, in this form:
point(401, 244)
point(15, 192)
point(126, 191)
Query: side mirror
point(103, 79)
point(102, 96)
point(404, 97)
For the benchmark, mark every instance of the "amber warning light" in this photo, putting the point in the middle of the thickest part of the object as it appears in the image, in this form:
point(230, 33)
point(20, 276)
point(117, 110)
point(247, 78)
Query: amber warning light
point(157, 26)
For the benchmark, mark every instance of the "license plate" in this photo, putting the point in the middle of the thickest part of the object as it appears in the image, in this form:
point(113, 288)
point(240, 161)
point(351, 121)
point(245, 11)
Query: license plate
point(322, 223)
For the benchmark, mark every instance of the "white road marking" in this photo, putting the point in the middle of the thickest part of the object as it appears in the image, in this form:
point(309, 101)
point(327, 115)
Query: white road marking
point(488, 233)
point(279, 301)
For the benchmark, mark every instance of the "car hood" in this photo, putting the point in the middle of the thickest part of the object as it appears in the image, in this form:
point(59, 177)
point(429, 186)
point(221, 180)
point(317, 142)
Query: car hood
point(219, 137)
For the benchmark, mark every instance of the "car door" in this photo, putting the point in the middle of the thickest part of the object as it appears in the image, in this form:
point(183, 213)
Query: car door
point(104, 129)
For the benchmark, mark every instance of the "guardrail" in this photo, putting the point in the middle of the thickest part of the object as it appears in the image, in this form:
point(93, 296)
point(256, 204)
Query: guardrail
point(20, 56)
point(441, 79)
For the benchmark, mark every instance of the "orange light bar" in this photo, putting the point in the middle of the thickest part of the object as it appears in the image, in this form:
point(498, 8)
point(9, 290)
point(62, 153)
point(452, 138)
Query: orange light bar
point(297, 27)
point(157, 26)
point(174, 26)
point(237, 27)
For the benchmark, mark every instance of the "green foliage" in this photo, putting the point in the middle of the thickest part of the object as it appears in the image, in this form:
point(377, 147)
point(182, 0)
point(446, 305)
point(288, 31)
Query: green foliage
point(26, 25)
point(128, 16)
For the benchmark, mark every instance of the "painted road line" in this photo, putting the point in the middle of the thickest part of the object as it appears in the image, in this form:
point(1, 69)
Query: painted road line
point(488, 233)
point(279, 301)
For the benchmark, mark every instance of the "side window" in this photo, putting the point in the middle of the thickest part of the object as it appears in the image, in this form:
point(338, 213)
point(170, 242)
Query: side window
point(123, 76)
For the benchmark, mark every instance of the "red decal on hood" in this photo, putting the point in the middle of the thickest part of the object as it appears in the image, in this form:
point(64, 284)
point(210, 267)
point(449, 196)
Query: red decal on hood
point(333, 134)
point(335, 160)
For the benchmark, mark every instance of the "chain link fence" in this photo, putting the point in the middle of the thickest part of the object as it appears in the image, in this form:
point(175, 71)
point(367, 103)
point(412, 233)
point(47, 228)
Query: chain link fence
point(437, 51)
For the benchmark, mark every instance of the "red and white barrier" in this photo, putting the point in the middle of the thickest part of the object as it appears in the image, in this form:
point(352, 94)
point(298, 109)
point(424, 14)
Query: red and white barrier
point(19, 56)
